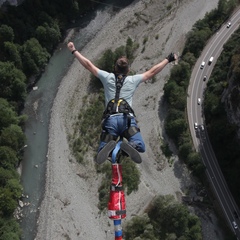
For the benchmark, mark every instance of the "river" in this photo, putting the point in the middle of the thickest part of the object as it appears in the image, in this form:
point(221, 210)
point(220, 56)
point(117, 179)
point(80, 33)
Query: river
point(38, 108)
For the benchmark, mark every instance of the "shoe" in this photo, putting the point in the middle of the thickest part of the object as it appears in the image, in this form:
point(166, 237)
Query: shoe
point(103, 154)
point(131, 152)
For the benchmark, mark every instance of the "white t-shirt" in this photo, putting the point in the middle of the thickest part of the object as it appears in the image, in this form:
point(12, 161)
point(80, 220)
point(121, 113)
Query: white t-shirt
point(129, 86)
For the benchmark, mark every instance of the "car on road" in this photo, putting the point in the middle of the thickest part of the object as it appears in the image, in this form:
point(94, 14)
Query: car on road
point(202, 65)
point(202, 127)
point(204, 78)
point(229, 24)
point(210, 60)
point(195, 125)
point(199, 101)
point(235, 225)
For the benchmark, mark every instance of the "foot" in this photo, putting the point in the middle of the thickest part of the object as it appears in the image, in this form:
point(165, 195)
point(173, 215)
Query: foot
point(131, 152)
point(105, 151)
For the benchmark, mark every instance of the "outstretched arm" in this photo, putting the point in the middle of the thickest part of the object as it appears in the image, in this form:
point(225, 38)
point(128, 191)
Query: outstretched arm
point(158, 67)
point(84, 61)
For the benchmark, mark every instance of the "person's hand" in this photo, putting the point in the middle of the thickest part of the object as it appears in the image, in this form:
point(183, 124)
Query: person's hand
point(71, 46)
point(171, 57)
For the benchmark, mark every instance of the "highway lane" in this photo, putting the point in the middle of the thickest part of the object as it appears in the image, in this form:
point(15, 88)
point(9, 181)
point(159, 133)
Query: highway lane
point(200, 137)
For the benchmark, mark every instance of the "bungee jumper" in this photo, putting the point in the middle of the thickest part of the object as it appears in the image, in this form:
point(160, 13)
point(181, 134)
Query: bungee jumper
point(118, 124)
point(118, 117)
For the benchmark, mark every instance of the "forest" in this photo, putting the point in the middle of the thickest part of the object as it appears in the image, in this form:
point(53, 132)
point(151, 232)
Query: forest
point(223, 134)
point(29, 34)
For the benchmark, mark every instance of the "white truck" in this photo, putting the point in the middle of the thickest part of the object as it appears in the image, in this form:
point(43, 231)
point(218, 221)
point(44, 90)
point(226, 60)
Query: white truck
point(210, 60)
point(202, 65)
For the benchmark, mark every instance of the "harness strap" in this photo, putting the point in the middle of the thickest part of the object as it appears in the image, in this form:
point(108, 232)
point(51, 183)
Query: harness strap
point(119, 83)
point(120, 212)
point(106, 137)
point(117, 105)
point(116, 188)
point(130, 131)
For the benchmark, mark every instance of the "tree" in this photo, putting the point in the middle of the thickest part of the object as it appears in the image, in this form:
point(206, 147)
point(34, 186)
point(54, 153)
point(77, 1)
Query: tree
point(170, 219)
point(131, 176)
point(48, 35)
point(34, 56)
point(29, 66)
point(13, 137)
point(7, 202)
point(11, 52)
point(181, 74)
point(7, 174)
point(196, 40)
point(7, 114)
point(15, 187)
point(120, 51)
point(189, 58)
point(12, 82)
point(107, 60)
point(175, 128)
point(8, 157)
point(175, 95)
point(129, 49)
point(185, 149)
point(6, 34)
point(9, 229)
point(139, 227)
point(176, 220)
point(10, 235)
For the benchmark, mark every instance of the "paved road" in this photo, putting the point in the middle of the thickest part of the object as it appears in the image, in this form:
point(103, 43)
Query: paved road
point(195, 115)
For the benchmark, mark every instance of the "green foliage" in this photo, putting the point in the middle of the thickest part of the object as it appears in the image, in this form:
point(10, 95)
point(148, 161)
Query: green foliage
point(48, 35)
point(175, 95)
point(204, 28)
point(166, 149)
point(6, 34)
point(34, 57)
point(140, 227)
point(7, 202)
point(12, 54)
point(185, 149)
point(165, 219)
point(28, 34)
point(7, 114)
point(6, 175)
point(145, 40)
point(109, 57)
point(9, 229)
point(175, 90)
point(175, 124)
point(175, 128)
point(8, 158)
point(107, 61)
point(104, 189)
point(181, 74)
point(119, 52)
point(129, 49)
point(12, 83)
point(222, 132)
point(15, 187)
point(13, 137)
point(197, 40)
point(189, 58)
point(131, 176)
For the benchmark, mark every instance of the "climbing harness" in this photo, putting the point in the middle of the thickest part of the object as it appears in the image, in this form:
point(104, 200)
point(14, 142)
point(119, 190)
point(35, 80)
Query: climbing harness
point(118, 106)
